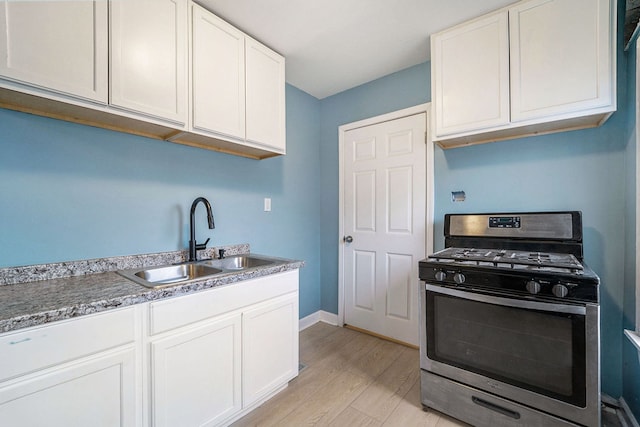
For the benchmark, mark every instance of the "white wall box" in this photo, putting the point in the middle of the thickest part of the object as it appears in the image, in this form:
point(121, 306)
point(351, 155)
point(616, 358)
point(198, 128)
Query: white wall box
point(537, 66)
point(112, 64)
point(73, 373)
point(148, 68)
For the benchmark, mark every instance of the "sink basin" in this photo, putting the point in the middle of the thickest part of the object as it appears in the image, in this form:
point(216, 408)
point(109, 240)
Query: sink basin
point(239, 262)
point(168, 275)
point(156, 277)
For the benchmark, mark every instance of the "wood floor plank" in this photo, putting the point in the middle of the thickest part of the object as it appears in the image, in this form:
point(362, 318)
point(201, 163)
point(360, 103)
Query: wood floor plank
point(381, 397)
point(446, 421)
point(330, 345)
point(409, 411)
point(351, 417)
point(328, 402)
point(352, 379)
point(377, 359)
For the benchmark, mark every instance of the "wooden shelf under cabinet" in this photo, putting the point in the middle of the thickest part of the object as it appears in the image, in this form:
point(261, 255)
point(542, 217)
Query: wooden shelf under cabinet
point(101, 118)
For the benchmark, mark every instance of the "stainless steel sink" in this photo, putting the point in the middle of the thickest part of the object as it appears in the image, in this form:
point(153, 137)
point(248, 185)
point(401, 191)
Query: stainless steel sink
point(154, 277)
point(239, 262)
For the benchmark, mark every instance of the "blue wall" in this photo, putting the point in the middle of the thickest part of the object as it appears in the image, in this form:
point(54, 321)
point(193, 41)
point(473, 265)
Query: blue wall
point(394, 92)
point(74, 192)
point(70, 192)
point(580, 170)
point(630, 365)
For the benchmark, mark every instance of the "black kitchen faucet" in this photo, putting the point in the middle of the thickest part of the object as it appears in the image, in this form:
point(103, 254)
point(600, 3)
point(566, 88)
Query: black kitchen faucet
point(193, 245)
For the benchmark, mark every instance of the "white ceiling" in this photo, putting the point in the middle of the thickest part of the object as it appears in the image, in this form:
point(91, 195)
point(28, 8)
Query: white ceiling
point(334, 45)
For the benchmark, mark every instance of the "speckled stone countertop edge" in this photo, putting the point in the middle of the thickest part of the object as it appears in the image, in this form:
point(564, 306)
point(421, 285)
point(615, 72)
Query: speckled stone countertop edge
point(30, 304)
point(57, 270)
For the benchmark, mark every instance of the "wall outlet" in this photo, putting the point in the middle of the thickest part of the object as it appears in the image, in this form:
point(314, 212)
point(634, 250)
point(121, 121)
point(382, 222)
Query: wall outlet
point(267, 204)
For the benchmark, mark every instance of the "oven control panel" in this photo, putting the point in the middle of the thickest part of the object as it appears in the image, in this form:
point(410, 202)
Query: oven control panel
point(510, 284)
point(504, 222)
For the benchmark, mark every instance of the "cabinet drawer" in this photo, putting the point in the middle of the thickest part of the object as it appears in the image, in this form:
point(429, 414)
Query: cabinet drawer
point(173, 313)
point(44, 346)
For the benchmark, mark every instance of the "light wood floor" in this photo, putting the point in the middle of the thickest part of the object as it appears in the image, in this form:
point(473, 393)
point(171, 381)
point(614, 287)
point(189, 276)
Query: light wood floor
point(352, 379)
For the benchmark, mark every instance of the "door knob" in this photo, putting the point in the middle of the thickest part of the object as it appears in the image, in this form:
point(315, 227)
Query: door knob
point(347, 239)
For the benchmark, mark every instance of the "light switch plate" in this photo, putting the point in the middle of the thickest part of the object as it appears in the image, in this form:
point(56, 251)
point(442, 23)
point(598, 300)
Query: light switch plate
point(267, 204)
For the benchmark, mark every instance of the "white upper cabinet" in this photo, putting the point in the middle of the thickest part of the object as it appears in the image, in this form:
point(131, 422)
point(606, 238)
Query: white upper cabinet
point(265, 78)
point(218, 75)
point(561, 58)
point(149, 57)
point(58, 45)
point(537, 66)
point(166, 69)
point(471, 75)
point(238, 85)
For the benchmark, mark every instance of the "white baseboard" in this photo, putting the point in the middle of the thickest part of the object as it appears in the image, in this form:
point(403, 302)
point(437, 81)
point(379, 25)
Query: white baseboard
point(628, 413)
point(318, 316)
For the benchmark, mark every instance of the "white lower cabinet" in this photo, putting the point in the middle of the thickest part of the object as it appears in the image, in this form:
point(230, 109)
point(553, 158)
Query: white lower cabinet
point(202, 359)
point(215, 355)
point(196, 374)
point(95, 392)
point(270, 347)
point(74, 373)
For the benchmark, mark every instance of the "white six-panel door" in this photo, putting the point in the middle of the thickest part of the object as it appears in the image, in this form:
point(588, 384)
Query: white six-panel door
point(384, 213)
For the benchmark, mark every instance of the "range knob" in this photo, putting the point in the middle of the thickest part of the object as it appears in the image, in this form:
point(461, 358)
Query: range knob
point(533, 287)
point(440, 275)
point(459, 278)
point(560, 290)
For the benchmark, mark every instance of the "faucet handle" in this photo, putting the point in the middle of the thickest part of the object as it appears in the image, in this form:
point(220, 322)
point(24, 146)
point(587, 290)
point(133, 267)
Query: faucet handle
point(201, 246)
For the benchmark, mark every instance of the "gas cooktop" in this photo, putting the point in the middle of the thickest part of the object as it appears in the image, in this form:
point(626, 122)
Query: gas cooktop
point(503, 258)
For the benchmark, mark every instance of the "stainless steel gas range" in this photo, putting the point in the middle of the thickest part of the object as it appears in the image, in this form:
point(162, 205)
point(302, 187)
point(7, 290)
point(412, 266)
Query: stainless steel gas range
point(510, 322)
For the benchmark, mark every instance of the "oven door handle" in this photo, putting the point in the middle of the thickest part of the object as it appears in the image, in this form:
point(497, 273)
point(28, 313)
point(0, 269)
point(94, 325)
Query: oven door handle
point(509, 302)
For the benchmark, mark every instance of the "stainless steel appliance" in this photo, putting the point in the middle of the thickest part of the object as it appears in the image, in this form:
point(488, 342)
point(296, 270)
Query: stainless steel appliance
point(510, 322)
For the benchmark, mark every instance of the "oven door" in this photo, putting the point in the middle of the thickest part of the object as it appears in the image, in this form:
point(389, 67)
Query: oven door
point(544, 355)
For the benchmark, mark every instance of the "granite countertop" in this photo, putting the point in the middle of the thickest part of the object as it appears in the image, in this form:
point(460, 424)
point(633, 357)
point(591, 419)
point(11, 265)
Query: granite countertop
point(35, 295)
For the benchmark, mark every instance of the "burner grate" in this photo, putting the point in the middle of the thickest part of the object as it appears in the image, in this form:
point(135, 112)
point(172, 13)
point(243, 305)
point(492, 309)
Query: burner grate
point(527, 260)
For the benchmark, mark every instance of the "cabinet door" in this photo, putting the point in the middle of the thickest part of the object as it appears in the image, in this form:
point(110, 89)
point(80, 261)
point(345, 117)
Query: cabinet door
point(470, 79)
point(265, 73)
point(269, 347)
point(196, 374)
point(97, 391)
point(218, 75)
point(561, 58)
point(149, 57)
point(56, 45)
